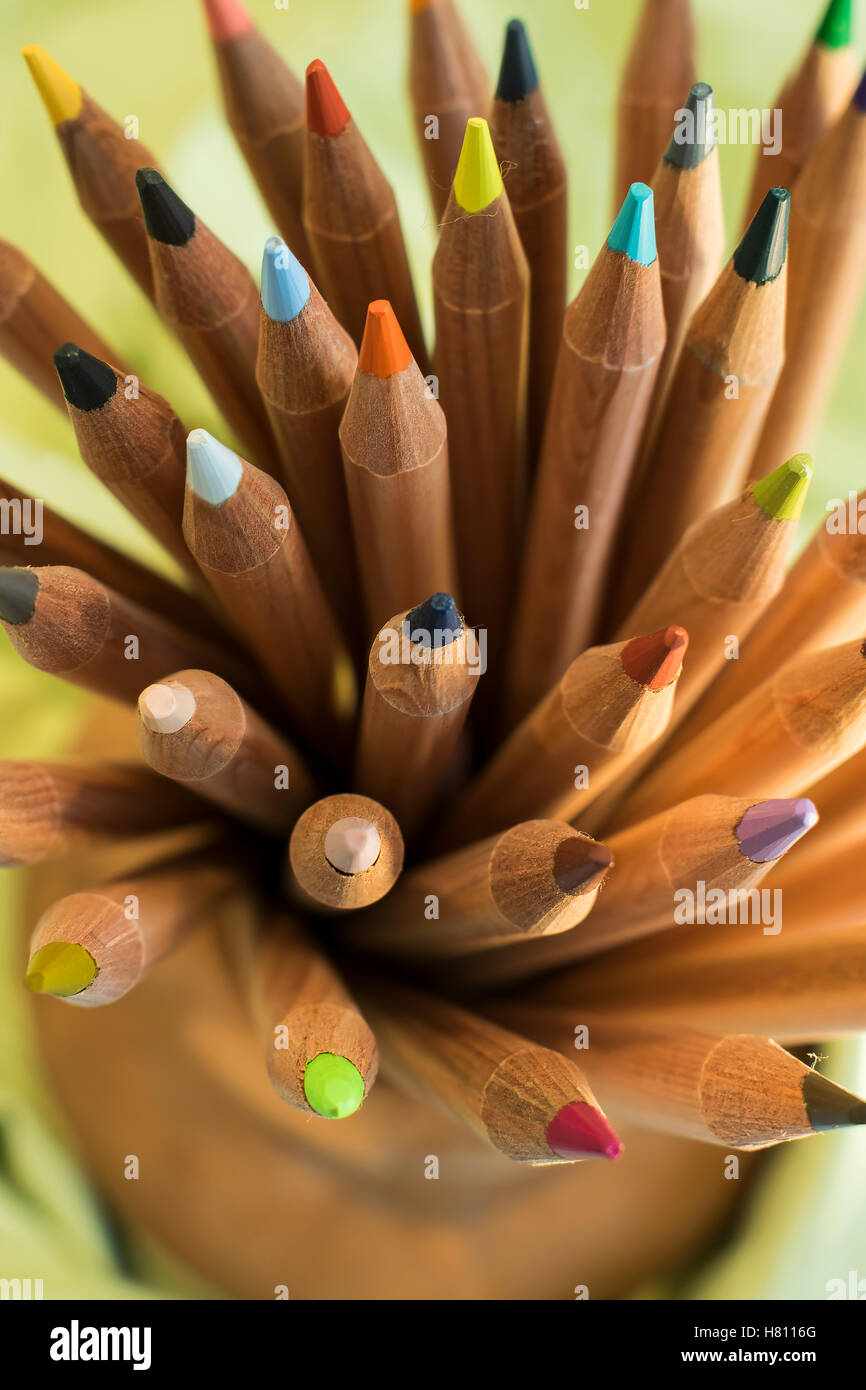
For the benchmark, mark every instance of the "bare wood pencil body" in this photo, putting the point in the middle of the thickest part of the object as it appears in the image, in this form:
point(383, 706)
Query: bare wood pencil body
point(658, 72)
point(447, 85)
point(416, 699)
point(52, 809)
point(345, 852)
point(195, 730)
point(34, 319)
point(537, 879)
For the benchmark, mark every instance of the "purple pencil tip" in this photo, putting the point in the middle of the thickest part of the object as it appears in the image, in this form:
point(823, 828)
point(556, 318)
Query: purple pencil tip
point(770, 828)
point(860, 94)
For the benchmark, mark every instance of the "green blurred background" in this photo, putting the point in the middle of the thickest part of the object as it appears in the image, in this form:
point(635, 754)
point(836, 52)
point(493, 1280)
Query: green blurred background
point(153, 61)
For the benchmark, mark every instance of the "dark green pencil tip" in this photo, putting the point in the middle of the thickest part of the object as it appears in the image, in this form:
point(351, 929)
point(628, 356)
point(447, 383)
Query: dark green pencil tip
point(517, 74)
point(18, 590)
point(694, 135)
point(836, 28)
point(166, 216)
point(87, 382)
point(761, 254)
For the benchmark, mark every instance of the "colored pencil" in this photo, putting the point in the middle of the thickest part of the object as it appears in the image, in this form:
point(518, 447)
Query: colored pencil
point(481, 299)
point(63, 621)
point(658, 70)
point(535, 176)
point(320, 1054)
point(447, 84)
point(718, 399)
point(611, 347)
point(102, 159)
point(810, 102)
point(539, 878)
point(209, 300)
point(305, 366)
point(345, 852)
point(792, 729)
point(51, 809)
point(394, 443)
point(739, 1090)
point(828, 240)
point(34, 318)
point(196, 730)
point(422, 672)
point(239, 527)
point(612, 703)
point(720, 842)
point(530, 1104)
point(351, 219)
point(93, 947)
point(264, 107)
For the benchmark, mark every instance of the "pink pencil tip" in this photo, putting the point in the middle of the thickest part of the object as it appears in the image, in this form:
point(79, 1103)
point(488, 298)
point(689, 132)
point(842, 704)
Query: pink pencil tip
point(581, 1131)
point(227, 20)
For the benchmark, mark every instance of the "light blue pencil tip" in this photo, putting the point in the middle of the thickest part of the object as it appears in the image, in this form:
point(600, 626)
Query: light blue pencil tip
point(634, 233)
point(212, 471)
point(285, 287)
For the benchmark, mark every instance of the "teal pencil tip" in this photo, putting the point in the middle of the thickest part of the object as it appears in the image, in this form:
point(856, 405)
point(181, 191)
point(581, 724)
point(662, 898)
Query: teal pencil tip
point(285, 286)
point(634, 233)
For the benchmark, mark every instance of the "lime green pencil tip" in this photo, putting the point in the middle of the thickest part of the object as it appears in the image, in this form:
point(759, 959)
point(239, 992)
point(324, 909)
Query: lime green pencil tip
point(478, 180)
point(836, 28)
point(61, 968)
point(333, 1086)
point(782, 493)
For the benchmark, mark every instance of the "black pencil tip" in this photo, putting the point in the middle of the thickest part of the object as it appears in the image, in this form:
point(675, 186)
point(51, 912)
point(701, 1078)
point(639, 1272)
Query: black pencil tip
point(166, 217)
point(761, 254)
point(517, 74)
point(694, 135)
point(87, 382)
point(436, 621)
point(830, 1106)
point(18, 590)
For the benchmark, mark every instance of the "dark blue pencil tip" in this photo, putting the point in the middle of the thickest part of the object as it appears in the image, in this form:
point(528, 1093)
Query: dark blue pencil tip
point(517, 73)
point(860, 94)
point(436, 621)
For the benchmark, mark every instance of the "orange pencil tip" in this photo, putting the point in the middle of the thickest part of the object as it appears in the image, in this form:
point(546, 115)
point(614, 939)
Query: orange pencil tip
point(227, 20)
point(384, 350)
point(655, 660)
point(327, 113)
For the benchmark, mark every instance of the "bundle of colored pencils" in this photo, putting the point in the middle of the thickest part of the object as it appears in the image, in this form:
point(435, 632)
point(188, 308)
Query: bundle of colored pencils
point(487, 692)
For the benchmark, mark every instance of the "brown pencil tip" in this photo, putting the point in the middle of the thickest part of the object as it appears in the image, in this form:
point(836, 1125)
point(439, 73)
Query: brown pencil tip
point(829, 1106)
point(656, 660)
point(18, 590)
point(581, 864)
point(384, 350)
point(327, 113)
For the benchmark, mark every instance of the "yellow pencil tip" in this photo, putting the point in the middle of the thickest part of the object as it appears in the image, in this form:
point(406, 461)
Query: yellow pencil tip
point(61, 968)
point(478, 181)
point(60, 93)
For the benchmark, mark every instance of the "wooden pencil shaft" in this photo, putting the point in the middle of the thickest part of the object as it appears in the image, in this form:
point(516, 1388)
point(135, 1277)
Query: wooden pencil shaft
point(311, 876)
point(52, 809)
point(448, 83)
point(224, 751)
point(658, 73)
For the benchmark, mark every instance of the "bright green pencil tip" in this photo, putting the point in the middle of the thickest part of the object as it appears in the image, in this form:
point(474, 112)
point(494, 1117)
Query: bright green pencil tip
point(836, 28)
point(782, 493)
point(61, 968)
point(478, 180)
point(333, 1086)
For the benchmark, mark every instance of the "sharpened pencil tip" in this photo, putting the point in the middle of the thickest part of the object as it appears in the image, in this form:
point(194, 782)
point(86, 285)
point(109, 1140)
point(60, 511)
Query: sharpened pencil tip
point(61, 968)
point(783, 492)
point(517, 73)
point(634, 233)
point(836, 27)
point(87, 381)
point(60, 94)
point(829, 1106)
point(163, 709)
point(761, 254)
point(166, 216)
point(580, 865)
point(327, 113)
point(227, 20)
point(478, 180)
point(694, 136)
point(352, 845)
point(212, 471)
point(859, 98)
point(384, 350)
point(333, 1086)
point(435, 622)
point(655, 660)
point(18, 590)
point(285, 284)
point(579, 1130)
point(770, 828)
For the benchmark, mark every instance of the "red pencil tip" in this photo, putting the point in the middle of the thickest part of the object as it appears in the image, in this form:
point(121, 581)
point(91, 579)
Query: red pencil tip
point(581, 1131)
point(384, 350)
point(227, 20)
point(327, 113)
point(656, 660)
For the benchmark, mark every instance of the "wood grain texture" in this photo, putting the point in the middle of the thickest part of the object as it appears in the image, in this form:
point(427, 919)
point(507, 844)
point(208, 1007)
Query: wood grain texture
point(658, 72)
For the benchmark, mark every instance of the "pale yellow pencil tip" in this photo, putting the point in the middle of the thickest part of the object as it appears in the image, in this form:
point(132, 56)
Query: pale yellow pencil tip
point(166, 708)
point(62, 968)
point(478, 181)
point(61, 93)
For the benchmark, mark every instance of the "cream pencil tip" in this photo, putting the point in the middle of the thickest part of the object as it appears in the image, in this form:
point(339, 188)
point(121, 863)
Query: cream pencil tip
point(166, 708)
point(352, 845)
point(212, 471)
